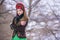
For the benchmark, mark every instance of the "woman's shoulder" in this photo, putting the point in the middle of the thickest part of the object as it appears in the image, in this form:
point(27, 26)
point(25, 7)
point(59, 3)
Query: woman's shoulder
point(15, 18)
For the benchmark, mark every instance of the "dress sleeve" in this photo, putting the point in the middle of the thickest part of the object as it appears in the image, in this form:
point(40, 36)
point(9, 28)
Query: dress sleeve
point(13, 24)
point(25, 24)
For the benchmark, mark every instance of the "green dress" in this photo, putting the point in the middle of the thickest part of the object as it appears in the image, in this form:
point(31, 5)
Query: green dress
point(17, 38)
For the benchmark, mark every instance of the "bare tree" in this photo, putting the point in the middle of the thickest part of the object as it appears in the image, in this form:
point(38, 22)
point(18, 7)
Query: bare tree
point(29, 8)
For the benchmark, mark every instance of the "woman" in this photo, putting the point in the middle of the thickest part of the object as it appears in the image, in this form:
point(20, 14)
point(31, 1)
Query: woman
point(19, 23)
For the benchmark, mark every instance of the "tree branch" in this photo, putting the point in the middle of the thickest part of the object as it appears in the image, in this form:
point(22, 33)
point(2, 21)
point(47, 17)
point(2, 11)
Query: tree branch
point(36, 2)
point(2, 2)
point(29, 8)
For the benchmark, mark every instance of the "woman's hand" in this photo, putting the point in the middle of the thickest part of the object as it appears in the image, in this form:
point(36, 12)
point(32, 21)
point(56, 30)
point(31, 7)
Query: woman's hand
point(23, 23)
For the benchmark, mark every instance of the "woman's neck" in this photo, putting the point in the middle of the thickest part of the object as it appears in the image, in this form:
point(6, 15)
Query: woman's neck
point(20, 16)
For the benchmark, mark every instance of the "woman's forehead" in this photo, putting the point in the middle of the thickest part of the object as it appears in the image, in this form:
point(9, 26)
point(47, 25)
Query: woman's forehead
point(18, 9)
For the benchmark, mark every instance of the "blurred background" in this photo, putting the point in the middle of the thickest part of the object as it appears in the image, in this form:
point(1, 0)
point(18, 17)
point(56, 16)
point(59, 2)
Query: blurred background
point(44, 19)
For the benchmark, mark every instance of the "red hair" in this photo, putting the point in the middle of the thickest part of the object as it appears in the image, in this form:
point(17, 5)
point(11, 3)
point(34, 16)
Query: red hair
point(20, 6)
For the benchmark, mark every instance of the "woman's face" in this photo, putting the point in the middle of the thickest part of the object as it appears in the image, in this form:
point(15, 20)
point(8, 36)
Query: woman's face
point(19, 11)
